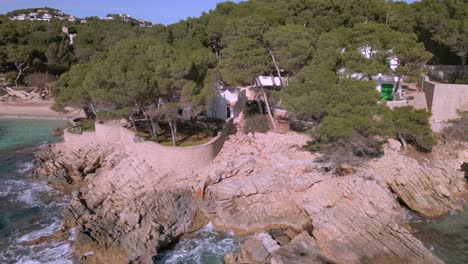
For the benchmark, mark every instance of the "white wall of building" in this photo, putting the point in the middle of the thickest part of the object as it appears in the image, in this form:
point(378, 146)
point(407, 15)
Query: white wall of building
point(232, 99)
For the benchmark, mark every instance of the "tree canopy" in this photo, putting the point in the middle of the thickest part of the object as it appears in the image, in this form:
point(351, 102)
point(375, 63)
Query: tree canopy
point(119, 67)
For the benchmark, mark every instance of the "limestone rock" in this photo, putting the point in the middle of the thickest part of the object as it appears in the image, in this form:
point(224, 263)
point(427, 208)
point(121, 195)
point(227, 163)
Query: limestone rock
point(355, 218)
point(428, 187)
point(302, 249)
point(124, 209)
point(253, 251)
point(61, 168)
point(268, 242)
point(362, 225)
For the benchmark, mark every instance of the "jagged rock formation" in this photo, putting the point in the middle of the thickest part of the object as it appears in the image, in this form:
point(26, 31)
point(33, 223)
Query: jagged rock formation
point(261, 249)
point(129, 209)
point(123, 207)
point(62, 167)
point(355, 218)
point(427, 185)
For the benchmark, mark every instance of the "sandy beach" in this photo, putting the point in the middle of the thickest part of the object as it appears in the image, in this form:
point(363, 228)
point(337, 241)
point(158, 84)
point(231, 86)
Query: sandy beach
point(34, 109)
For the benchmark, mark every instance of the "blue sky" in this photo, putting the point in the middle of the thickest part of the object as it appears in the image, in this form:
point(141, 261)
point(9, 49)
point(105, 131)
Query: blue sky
point(156, 11)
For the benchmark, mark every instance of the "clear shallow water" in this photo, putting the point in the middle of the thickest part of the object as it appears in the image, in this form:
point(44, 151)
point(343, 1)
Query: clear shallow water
point(28, 210)
point(205, 246)
point(446, 237)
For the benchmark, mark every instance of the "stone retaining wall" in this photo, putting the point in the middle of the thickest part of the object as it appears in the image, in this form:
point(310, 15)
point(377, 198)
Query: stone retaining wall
point(444, 101)
point(75, 141)
point(162, 158)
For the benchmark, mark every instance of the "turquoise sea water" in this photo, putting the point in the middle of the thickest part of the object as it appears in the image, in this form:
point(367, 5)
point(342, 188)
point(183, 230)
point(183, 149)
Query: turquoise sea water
point(446, 237)
point(28, 210)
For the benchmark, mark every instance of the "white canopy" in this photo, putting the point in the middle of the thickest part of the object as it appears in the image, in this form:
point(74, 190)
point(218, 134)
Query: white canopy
point(268, 81)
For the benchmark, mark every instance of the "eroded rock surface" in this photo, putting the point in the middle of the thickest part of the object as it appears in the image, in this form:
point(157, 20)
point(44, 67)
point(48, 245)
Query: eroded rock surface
point(62, 168)
point(355, 218)
point(261, 248)
point(428, 185)
point(125, 209)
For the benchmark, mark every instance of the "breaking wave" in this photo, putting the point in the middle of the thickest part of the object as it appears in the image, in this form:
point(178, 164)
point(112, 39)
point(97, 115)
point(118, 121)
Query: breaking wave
point(25, 167)
point(203, 246)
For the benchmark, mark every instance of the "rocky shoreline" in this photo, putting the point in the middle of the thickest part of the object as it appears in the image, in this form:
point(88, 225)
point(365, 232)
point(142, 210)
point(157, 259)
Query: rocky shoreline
point(264, 186)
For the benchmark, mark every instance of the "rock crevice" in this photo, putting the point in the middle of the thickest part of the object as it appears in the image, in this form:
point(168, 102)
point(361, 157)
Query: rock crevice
point(125, 210)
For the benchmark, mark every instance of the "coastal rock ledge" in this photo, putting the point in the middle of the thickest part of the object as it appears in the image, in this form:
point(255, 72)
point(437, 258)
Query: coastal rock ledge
point(263, 186)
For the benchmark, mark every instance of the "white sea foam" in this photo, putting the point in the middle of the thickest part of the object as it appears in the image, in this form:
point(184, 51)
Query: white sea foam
point(43, 144)
point(46, 231)
point(52, 253)
point(5, 191)
point(31, 194)
point(209, 227)
point(28, 198)
point(25, 167)
point(204, 244)
point(454, 213)
point(72, 235)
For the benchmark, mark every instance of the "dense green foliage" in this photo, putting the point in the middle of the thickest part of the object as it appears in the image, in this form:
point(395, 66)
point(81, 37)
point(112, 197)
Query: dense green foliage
point(447, 23)
point(120, 69)
point(413, 126)
point(31, 10)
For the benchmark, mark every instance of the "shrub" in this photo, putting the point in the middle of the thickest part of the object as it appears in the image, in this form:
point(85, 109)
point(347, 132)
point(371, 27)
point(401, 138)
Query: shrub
point(255, 123)
point(10, 78)
point(210, 131)
point(87, 125)
point(39, 80)
point(352, 151)
point(251, 108)
point(314, 146)
point(458, 130)
point(413, 126)
point(461, 81)
point(112, 114)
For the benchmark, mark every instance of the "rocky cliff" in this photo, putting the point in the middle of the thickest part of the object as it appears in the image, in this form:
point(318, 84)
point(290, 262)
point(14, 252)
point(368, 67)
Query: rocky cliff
point(265, 186)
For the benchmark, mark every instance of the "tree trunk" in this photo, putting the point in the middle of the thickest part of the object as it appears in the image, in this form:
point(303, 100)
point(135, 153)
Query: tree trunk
point(268, 108)
point(216, 91)
point(217, 53)
point(175, 131)
point(403, 143)
point(463, 64)
point(216, 48)
point(132, 121)
point(93, 109)
point(398, 88)
point(260, 107)
point(278, 71)
point(173, 127)
point(273, 81)
point(154, 130)
point(88, 112)
point(150, 122)
point(17, 78)
point(20, 72)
